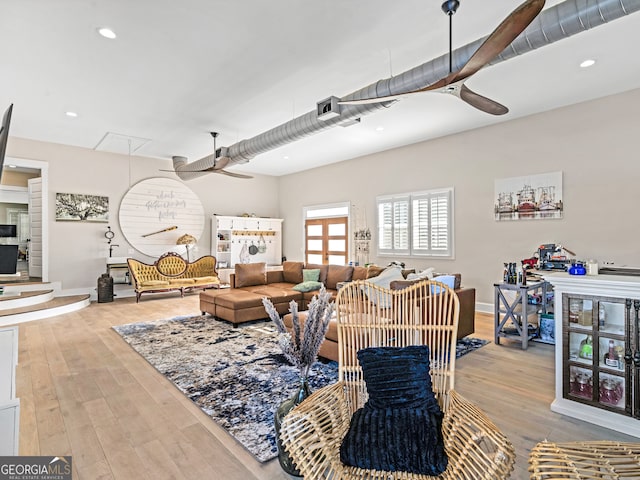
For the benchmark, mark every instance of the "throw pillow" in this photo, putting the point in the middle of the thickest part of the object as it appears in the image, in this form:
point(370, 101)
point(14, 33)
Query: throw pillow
point(323, 270)
point(311, 275)
point(400, 426)
point(398, 377)
point(423, 275)
point(250, 274)
point(292, 272)
point(308, 286)
point(383, 280)
point(448, 280)
point(374, 271)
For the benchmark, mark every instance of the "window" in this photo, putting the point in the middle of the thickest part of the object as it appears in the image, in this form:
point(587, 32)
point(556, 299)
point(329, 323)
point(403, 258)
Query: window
point(418, 224)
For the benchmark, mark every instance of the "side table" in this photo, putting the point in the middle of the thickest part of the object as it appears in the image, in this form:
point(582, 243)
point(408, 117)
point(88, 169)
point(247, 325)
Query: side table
point(517, 310)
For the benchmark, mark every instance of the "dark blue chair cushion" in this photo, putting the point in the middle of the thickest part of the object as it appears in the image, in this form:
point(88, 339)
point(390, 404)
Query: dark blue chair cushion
point(397, 377)
point(400, 426)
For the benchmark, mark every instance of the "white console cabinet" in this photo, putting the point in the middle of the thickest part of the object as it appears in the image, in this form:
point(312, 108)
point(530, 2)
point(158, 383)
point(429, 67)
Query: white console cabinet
point(231, 235)
point(9, 404)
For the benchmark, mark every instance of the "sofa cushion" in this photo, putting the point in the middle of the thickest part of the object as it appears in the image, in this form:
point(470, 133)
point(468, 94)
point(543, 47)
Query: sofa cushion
point(237, 299)
point(207, 279)
point(292, 272)
point(359, 273)
point(154, 283)
point(308, 286)
point(311, 275)
point(277, 294)
point(323, 271)
point(332, 331)
point(182, 281)
point(249, 274)
point(336, 274)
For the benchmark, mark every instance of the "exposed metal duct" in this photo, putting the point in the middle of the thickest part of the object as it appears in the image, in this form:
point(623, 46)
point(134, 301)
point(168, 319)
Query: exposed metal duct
point(553, 24)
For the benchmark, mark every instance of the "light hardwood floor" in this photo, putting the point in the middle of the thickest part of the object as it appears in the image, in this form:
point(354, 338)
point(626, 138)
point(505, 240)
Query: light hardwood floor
point(84, 392)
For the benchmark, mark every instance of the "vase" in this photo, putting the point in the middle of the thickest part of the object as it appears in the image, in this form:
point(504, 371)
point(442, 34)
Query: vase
point(285, 407)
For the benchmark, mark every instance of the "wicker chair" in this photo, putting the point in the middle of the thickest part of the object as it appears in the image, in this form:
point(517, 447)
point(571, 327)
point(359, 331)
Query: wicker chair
point(372, 316)
point(602, 460)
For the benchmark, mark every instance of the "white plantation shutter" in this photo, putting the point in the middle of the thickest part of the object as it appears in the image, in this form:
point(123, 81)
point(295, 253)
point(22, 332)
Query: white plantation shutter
point(385, 226)
point(393, 224)
point(416, 224)
point(432, 215)
point(401, 225)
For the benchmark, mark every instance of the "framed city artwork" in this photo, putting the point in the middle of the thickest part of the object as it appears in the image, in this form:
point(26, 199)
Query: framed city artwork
point(530, 197)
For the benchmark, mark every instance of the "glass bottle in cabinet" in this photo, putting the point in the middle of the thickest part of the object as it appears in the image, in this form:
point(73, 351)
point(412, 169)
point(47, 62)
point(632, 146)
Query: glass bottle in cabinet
point(594, 348)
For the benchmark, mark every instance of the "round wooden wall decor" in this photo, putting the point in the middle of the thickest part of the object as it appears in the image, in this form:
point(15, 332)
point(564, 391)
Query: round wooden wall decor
point(155, 212)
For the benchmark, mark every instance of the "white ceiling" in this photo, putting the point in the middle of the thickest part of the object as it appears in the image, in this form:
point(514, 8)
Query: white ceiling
point(181, 69)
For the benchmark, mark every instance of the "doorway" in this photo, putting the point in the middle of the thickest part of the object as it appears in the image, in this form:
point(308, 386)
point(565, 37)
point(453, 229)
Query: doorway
point(36, 204)
point(326, 241)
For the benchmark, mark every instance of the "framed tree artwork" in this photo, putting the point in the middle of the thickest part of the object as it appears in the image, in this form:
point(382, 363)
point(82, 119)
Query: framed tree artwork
point(75, 207)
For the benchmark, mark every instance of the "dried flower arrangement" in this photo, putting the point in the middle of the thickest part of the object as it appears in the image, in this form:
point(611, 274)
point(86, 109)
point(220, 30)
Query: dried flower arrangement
point(301, 348)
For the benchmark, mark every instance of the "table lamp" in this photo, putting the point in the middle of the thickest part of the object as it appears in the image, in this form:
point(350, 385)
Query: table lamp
point(186, 240)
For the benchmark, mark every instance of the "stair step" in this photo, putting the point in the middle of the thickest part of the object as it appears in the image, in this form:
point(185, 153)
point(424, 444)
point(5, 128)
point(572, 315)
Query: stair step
point(50, 308)
point(12, 300)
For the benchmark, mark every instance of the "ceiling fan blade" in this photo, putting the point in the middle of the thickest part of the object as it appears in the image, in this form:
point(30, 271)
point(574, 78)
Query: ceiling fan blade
point(481, 103)
point(221, 162)
point(232, 174)
point(186, 170)
point(500, 38)
point(495, 43)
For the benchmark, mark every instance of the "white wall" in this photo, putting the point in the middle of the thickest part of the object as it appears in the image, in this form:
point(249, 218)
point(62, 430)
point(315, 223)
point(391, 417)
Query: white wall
point(77, 250)
point(595, 145)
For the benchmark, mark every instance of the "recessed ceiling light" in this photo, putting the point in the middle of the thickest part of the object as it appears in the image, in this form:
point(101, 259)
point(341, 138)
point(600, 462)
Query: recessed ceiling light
point(107, 33)
point(379, 129)
point(71, 114)
point(588, 63)
point(286, 157)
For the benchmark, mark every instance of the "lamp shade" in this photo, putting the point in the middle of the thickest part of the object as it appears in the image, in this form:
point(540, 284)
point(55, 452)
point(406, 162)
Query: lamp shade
point(186, 239)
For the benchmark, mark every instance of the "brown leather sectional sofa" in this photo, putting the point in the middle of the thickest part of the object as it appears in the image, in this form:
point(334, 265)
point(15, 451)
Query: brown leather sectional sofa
point(466, 322)
point(251, 282)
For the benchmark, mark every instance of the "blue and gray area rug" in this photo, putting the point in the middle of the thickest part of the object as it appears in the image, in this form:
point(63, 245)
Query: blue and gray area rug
point(237, 376)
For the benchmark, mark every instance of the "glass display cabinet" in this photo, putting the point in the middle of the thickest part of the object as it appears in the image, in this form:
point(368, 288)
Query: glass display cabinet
point(597, 339)
point(597, 352)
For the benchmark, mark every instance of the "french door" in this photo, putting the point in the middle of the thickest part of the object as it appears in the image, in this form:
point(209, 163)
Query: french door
point(326, 240)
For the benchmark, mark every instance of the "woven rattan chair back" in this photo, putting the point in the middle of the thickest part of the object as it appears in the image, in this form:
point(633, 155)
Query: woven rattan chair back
point(425, 313)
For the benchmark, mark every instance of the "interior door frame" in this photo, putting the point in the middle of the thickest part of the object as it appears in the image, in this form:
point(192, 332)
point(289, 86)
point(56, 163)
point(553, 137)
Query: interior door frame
point(337, 205)
point(44, 174)
point(326, 238)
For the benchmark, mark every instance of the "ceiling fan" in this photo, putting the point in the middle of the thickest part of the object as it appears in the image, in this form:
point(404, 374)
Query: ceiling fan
point(219, 161)
point(494, 44)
